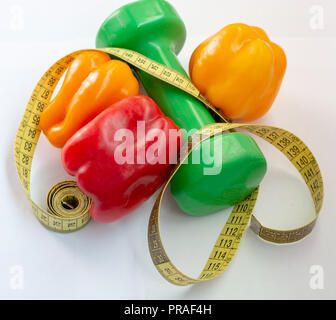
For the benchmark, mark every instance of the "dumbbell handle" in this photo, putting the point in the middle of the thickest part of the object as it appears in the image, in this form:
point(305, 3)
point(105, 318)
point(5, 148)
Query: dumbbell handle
point(186, 111)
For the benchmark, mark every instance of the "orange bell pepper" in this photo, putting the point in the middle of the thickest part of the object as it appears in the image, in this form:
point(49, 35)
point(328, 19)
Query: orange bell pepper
point(239, 70)
point(92, 83)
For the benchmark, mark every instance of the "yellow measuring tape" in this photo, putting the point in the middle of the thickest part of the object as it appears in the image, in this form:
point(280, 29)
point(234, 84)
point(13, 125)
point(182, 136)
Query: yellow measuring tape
point(69, 209)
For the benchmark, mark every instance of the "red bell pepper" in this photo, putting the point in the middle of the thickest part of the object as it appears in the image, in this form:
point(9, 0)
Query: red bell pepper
point(122, 156)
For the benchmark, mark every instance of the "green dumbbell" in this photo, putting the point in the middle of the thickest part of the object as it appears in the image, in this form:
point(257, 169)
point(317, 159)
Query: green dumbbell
point(221, 179)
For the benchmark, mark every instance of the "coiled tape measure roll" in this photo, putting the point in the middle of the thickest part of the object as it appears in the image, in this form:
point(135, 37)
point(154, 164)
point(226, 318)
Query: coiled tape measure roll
point(69, 209)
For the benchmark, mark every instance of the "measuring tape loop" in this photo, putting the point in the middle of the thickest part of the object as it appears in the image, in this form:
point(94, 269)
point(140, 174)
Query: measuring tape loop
point(69, 208)
point(228, 241)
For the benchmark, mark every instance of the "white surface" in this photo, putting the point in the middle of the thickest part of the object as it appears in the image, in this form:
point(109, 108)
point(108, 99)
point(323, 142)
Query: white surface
point(112, 261)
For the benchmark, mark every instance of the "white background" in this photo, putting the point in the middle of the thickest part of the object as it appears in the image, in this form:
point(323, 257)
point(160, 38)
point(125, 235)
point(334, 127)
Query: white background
point(112, 261)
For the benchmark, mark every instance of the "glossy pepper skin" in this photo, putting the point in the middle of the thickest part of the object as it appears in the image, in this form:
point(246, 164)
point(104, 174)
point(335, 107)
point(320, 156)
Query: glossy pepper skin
point(115, 187)
point(93, 82)
point(239, 70)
